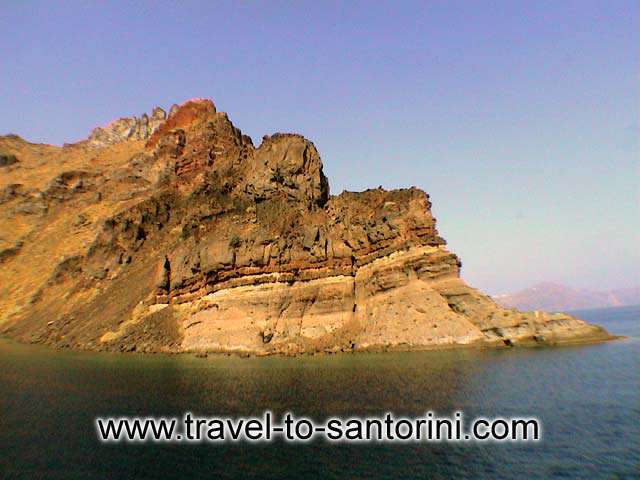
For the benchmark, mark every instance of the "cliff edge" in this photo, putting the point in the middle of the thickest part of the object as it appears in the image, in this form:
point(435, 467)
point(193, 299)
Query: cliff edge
point(173, 232)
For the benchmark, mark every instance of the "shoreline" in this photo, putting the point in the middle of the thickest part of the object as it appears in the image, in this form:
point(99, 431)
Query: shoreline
point(479, 346)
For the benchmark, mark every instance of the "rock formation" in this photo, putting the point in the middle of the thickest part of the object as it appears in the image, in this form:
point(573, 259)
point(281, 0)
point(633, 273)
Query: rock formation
point(128, 128)
point(6, 160)
point(178, 234)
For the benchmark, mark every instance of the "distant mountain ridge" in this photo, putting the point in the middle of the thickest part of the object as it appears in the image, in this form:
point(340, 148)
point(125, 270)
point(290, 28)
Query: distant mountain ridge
point(553, 296)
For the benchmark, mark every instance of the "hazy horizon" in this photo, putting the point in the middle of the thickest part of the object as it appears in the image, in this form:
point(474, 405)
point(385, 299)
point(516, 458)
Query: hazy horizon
point(521, 121)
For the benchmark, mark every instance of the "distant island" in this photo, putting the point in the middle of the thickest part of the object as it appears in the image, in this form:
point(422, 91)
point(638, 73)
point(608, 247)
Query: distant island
point(174, 233)
point(553, 297)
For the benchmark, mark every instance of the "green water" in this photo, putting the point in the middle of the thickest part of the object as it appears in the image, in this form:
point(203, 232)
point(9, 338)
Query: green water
point(587, 398)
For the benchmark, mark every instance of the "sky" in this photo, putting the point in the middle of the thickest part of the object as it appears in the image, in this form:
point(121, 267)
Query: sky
point(520, 119)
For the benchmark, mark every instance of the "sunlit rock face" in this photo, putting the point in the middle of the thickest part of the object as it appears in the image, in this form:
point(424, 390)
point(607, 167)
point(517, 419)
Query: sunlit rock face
point(175, 233)
point(127, 128)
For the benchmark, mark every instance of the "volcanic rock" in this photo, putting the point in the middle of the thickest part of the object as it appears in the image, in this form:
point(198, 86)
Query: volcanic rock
point(7, 159)
point(127, 128)
point(178, 234)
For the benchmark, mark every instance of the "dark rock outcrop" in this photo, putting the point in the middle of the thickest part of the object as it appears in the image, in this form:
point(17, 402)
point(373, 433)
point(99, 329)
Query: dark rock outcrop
point(7, 159)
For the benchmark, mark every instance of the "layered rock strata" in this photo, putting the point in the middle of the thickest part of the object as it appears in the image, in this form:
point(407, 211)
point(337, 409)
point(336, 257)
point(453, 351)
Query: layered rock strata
point(175, 233)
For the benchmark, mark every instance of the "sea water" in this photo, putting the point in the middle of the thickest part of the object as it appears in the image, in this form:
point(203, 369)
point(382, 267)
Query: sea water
point(587, 399)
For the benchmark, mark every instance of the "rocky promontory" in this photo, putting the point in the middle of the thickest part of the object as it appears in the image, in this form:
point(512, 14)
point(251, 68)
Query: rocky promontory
point(175, 233)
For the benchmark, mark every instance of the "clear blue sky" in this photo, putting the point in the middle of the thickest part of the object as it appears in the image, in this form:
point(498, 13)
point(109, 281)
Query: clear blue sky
point(521, 119)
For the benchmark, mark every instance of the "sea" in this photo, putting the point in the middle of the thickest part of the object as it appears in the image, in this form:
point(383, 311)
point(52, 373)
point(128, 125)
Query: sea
point(587, 399)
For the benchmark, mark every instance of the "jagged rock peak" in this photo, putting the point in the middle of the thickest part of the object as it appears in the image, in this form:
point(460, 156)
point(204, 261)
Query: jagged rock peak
point(180, 116)
point(127, 128)
point(143, 127)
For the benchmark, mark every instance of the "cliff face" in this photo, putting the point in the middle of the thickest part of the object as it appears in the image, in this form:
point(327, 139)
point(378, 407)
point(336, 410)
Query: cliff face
point(175, 233)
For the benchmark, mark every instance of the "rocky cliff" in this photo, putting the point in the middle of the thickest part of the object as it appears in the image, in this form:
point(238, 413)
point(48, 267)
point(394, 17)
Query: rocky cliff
point(175, 233)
